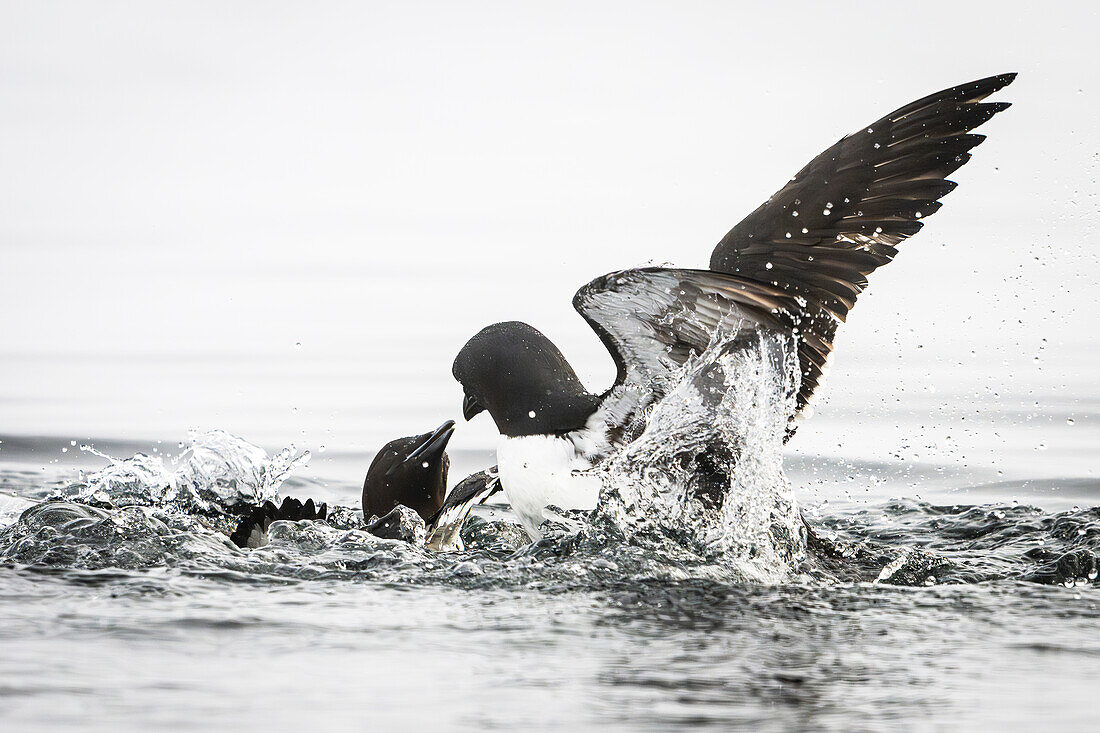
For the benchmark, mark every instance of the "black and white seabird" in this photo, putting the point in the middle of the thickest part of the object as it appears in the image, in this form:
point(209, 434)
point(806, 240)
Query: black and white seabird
point(410, 472)
point(793, 266)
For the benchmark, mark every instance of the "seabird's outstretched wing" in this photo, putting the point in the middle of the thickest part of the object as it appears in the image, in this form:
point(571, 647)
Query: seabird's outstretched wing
point(839, 218)
point(798, 262)
point(653, 319)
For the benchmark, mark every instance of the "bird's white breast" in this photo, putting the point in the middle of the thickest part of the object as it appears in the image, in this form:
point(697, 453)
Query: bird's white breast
point(539, 470)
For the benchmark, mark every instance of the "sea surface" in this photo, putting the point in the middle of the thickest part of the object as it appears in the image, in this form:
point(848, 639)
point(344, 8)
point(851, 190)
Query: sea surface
point(241, 243)
point(872, 579)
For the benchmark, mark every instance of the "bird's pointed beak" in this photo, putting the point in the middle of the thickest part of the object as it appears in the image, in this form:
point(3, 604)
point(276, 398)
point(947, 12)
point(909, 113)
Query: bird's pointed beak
point(471, 407)
point(433, 444)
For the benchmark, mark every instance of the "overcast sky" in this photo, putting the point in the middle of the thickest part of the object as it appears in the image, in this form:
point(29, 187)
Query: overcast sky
point(193, 185)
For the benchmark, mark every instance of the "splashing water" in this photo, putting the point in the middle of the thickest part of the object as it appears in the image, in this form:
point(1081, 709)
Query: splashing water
point(700, 496)
point(701, 493)
point(218, 473)
point(142, 511)
point(707, 471)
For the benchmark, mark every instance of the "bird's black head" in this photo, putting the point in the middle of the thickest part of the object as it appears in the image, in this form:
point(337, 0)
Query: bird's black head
point(520, 377)
point(410, 471)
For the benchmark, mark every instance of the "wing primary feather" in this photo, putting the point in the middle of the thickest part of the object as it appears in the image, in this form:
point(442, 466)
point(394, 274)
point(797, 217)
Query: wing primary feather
point(798, 262)
point(842, 216)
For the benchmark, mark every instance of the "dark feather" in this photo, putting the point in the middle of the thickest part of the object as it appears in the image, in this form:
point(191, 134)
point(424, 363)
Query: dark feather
point(260, 517)
point(476, 488)
point(841, 217)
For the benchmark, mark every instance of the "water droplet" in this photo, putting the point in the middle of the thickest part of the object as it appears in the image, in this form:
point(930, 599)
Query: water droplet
point(297, 344)
point(768, 265)
point(1069, 421)
point(321, 448)
point(531, 414)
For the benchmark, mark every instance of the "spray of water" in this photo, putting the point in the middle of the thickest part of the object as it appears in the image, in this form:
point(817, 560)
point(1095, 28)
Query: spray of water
point(701, 492)
point(707, 471)
point(218, 473)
